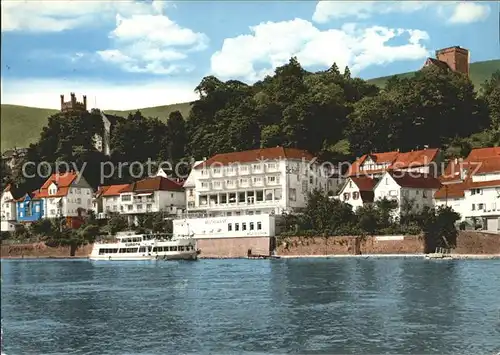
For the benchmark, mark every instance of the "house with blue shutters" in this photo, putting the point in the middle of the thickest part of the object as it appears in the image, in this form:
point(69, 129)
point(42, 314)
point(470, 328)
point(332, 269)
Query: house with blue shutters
point(29, 208)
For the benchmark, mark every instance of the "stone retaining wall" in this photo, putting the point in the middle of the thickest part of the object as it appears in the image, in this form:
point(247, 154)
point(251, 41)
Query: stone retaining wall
point(40, 250)
point(233, 247)
point(349, 245)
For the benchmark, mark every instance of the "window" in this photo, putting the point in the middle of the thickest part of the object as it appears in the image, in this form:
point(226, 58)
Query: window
point(37, 208)
point(311, 181)
point(260, 195)
point(269, 195)
point(387, 181)
point(190, 192)
point(251, 226)
point(243, 226)
point(236, 227)
point(292, 194)
point(355, 195)
point(473, 207)
point(216, 170)
point(257, 180)
point(480, 206)
point(277, 194)
point(424, 193)
point(126, 198)
point(149, 206)
point(172, 195)
point(21, 214)
point(417, 192)
point(229, 227)
point(204, 185)
point(79, 200)
point(130, 207)
point(259, 225)
point(350, 183)
point(115, 198)
point(139, 207)
point(217, 184)
point(271, 179)
point(346, 196)
point(52, 211)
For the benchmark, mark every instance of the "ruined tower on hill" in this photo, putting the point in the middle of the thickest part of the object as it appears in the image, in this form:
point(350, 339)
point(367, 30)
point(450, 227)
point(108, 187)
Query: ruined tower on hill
point(73, 104)
point(454, 58)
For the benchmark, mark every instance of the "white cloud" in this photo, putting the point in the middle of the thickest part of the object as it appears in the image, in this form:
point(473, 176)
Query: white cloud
point(461, 12)
point(57, 16)
point(150, 43)
point(271, 44)
point(469, 12)
point(330, 10)
point(111, 96)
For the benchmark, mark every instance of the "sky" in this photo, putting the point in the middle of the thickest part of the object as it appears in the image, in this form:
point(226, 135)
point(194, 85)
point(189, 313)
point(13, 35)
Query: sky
point(135, 54)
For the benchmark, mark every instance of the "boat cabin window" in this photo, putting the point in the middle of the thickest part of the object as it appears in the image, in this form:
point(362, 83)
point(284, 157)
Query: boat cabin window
point(108, 251)
point(142, 249)
point(181, 248)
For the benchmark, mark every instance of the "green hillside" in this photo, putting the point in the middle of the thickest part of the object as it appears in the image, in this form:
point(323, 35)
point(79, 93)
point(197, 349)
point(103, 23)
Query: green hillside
point(21, 125)
point(479, 72)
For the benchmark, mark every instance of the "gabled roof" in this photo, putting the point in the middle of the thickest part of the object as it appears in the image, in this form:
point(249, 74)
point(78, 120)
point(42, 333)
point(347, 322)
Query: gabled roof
point(63, 182)
point(414, 180)
point(364, 183)
point(254, 155)
point(157, 183)
point(30, 195)
point(397, 160)
point(479, 161)
point(111, 190)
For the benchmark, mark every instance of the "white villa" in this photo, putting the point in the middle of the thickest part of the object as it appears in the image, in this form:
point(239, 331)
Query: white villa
point(357, 191)
point(65, 195)
point(269, 180)
point(8, 210)
point(152, 194)
point(472, 188)
point(418, 189)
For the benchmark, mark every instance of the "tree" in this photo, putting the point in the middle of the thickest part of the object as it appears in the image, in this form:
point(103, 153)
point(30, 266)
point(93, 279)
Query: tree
point(117, 223)
point(439, 228)
point(176, 137)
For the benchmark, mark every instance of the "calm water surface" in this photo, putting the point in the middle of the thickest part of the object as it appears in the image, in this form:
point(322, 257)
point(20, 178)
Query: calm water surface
point(314, 306)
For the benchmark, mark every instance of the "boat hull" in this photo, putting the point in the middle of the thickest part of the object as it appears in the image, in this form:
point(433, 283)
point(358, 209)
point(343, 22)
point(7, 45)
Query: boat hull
point(191, 255)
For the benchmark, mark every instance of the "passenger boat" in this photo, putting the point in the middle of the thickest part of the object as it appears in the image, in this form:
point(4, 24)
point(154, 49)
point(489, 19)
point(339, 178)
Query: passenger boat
point(159, 246)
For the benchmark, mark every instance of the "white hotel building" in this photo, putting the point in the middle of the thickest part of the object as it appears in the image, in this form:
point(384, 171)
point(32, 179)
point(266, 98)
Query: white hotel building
point(260, 181)
point(472, 188)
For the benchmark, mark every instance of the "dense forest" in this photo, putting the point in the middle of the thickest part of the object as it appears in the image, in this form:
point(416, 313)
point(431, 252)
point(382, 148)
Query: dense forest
point(330, 113)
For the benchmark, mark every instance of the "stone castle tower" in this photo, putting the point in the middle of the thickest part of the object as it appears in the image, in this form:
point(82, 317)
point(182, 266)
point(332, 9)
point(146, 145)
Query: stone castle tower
point(454, 58)
point(73, 104)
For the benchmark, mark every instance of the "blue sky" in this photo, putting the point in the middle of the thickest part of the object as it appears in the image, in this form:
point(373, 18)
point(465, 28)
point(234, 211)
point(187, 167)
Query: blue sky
point(145, 53)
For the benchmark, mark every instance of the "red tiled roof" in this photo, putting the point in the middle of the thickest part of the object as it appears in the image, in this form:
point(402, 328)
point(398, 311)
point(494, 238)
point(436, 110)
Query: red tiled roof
point(396, 160)
point(112, 190)
point(450, 191)
point(458, 189)
point(157, 183)
point(249, 156)
point(63, 182)
point(479, 161)
point(364, 183)
point(416, 181)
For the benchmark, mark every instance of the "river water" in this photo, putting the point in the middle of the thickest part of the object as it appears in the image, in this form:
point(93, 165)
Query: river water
point(307, 306)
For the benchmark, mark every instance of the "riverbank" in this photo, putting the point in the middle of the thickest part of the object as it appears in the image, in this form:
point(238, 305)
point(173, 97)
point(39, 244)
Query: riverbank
point(387, 256)
point(470, 245)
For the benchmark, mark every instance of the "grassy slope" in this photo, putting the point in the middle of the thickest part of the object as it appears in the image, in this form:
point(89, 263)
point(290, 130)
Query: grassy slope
point(22, 125)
